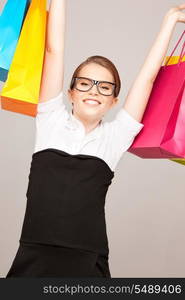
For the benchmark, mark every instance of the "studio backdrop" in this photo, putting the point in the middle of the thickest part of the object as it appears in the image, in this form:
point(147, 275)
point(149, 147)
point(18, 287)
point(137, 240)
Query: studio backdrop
point(145, 204)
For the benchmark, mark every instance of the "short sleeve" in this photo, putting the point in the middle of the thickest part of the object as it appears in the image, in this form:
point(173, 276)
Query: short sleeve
point(124, 120)
point(50, 111)
point(122, 131)
point(51, 115)
point(51, 104)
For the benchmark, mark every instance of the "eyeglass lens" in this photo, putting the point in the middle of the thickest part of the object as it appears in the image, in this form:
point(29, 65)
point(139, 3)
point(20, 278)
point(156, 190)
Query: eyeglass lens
point(84, 84)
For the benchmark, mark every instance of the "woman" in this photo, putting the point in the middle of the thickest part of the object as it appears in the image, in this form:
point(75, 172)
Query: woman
point(64, 229)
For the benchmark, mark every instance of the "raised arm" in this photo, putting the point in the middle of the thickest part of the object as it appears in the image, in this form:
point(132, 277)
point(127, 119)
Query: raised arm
point(53, 68)
point(138, 95)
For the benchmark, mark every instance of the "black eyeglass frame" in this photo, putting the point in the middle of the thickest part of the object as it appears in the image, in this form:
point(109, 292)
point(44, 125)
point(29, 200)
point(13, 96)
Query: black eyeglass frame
point(94, 82)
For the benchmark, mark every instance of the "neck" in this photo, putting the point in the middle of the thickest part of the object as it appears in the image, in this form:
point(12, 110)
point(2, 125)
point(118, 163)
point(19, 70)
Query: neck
point(88, 124)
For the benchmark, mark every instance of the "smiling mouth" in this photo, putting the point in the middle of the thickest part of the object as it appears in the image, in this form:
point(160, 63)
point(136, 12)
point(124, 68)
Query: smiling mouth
point(92, 101)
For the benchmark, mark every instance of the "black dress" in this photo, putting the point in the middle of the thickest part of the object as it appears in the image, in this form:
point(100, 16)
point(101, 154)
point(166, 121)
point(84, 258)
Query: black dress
point(64, 228)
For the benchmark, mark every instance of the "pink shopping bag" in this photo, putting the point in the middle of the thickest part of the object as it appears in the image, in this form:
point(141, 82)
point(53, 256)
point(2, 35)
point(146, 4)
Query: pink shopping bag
point(163, 135)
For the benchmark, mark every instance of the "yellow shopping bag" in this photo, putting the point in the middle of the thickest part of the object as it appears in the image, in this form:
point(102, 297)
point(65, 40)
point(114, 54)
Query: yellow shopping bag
point(174, 60)
point(20, 92)
point(179, 161)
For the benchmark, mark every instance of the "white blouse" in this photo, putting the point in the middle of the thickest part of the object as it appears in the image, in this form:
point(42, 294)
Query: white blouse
point(57, 128)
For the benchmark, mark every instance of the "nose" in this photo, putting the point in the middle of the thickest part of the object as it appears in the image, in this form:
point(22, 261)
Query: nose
point(93, 90)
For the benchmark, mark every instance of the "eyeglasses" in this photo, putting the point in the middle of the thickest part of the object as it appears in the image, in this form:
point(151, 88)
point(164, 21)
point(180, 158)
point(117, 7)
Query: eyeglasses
point(84, 84)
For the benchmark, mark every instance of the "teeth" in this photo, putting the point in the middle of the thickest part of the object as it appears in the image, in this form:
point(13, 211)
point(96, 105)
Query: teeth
point(93, 102)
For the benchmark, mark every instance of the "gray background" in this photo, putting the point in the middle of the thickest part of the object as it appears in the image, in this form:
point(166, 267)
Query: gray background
point(146, 202)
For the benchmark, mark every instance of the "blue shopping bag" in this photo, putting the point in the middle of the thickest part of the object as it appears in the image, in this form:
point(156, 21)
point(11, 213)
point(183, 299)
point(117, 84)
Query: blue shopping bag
point(11, 21)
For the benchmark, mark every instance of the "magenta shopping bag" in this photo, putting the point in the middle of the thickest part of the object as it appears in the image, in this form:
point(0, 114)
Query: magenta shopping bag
point(163, 134)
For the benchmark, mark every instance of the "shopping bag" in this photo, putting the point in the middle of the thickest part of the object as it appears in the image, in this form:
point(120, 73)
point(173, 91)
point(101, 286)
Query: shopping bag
point(179, 161)
point(11, 20)
point(21, 90)
point(174, 60)
point(163, 135)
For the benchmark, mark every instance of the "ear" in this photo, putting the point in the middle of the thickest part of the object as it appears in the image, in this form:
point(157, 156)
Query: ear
point(70, 95)
point(114, 101)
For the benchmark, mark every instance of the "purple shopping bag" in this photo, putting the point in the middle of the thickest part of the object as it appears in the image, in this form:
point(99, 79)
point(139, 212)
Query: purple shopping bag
point(163, 135)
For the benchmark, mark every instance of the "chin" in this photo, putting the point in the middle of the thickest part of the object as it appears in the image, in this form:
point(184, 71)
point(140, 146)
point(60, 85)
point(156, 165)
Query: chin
point(90, 113)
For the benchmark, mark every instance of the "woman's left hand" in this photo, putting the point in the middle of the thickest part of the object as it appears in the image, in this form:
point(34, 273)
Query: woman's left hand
point(177, 13)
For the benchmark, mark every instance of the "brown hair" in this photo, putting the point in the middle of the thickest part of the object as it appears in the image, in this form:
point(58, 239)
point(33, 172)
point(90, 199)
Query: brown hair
point(102, 61)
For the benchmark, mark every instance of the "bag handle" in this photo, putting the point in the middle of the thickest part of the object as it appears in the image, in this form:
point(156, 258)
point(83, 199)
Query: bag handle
point(182, 53)
point(181, 56)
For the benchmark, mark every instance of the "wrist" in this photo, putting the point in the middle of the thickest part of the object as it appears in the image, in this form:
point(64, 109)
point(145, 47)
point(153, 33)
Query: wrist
point(172, 16)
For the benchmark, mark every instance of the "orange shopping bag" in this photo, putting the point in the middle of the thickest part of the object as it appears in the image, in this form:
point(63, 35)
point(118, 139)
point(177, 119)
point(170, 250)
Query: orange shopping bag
point(20, 92)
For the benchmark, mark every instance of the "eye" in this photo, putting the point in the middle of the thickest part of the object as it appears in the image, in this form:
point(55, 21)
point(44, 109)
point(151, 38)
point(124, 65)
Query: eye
point(83, 83)
point(105, 88)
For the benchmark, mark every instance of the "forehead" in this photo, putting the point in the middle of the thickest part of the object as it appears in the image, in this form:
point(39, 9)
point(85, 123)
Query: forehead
point(97, 72)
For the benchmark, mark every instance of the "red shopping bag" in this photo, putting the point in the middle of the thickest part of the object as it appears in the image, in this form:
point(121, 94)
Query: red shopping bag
point(163, 135)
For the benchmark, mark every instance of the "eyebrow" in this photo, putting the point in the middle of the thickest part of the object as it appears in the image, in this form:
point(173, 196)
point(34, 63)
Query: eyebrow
point(96, 80)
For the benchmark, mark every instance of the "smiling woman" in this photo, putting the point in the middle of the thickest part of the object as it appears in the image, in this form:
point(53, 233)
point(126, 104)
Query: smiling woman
point(94, 79)
point(75, 156)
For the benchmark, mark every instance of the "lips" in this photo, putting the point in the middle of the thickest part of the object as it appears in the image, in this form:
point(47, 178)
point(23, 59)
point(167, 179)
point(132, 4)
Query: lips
point(89, 99)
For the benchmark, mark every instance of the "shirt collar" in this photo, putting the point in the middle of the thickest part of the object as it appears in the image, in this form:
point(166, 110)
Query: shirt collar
point(74, 124)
